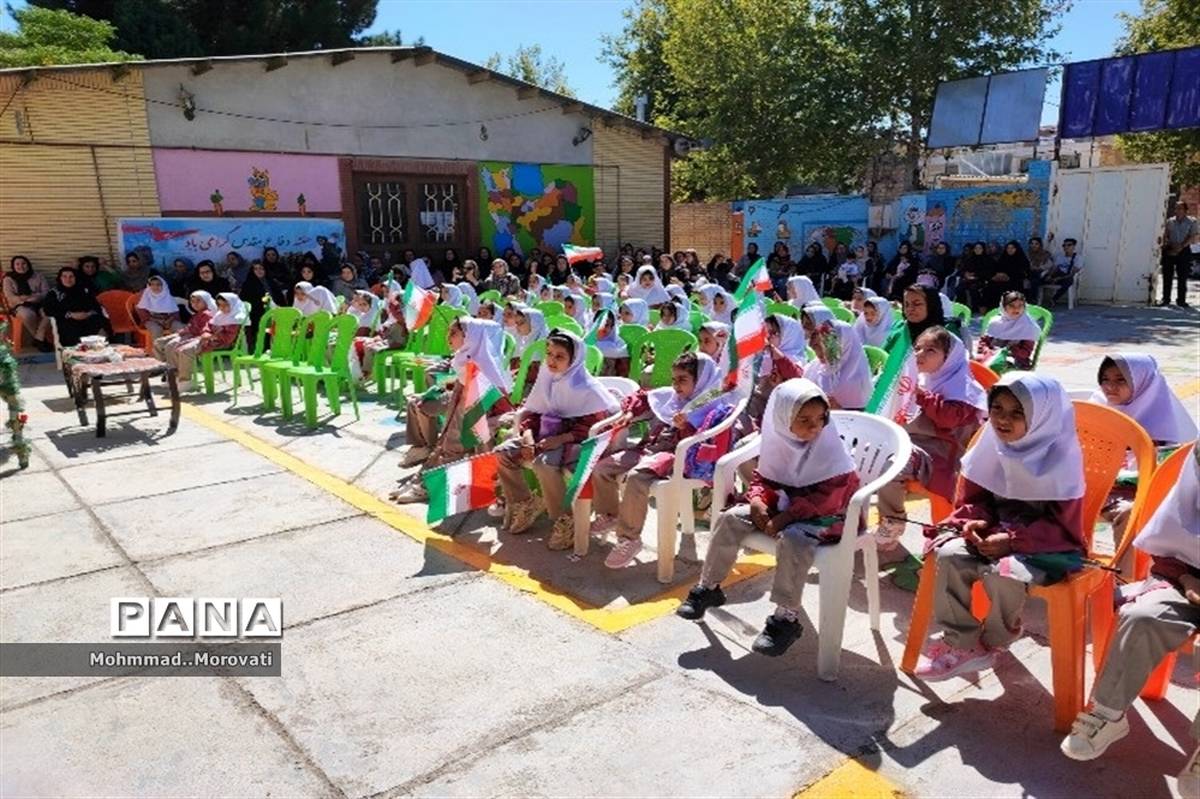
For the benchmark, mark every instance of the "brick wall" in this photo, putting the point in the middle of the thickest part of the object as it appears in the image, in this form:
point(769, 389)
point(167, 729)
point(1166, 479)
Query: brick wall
point(706, 227)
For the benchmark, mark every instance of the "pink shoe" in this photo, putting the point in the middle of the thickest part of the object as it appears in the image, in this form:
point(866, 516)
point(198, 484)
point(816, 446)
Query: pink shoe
point(603, 523)
point(623, 553)
point(942, 661)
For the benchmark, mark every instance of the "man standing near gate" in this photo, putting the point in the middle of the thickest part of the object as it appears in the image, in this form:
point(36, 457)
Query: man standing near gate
point(1181, 233)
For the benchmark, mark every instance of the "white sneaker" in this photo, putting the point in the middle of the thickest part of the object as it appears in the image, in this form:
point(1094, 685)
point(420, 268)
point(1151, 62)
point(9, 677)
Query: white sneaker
point(496, 509)
point(623, 553)
point(414, 457)
point(942, 661)
point(186, 386)
point(1189, 778)
point(1091, 735)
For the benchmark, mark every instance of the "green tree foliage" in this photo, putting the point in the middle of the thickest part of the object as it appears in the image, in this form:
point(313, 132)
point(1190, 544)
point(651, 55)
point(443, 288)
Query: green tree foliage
point(808, 90)
point(528, 64)
point(389, 39)
point(45, 37)
point(1163, 25)
point(181, 28)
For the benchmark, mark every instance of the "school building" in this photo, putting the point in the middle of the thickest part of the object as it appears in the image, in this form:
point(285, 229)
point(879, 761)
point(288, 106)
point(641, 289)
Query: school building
point(408, 147)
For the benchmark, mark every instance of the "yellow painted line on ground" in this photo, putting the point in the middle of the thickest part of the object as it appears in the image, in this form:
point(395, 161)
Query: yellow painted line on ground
point(609, 621)
point(851, 780)
point(1188, 390)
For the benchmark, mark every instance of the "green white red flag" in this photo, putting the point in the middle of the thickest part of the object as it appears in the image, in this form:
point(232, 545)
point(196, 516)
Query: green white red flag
point(576, 254)
point(590, 453)
point(755, 279)
point(461, 486)
point(748, 340)
point(478, 396)
point(895, 395)
point(418, 306)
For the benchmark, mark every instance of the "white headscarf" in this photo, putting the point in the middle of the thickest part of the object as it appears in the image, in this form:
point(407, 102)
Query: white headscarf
point(468, 291)
point(207, 299)
point(639, 310)
point(784, 458)
point(846, 378)
point(666, 402)
point(481, 349)
point(581, 313)
point(316, 298)
point(419, 273)
point(604, 285)
point(370, 317)
point(721, 332)
point(803, 288)
point(537, 329)
point(1153, 405)
point(818, 312)
point(1023, 328)
point(535, 281)
point(572, 394)
point(677, 293)
point(236, 315)
point(876, 334)
point(793, 342)
point(655, 295)
point(604, 301)
point(159, 301)
point(683, 320)
point(711, 291)
point(453, 295)
point(1045, 464)
point(610, 345)
point(954, 381)
point(1174, 529)
point(947, 306)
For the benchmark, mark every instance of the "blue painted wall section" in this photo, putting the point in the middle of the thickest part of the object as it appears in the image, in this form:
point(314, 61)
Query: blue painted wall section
point(824, 218)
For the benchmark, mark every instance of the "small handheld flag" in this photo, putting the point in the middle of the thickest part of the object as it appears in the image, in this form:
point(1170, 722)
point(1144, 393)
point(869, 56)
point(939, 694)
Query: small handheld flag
point(590, 453)
point(755, 279)
point(461, 486)
point(576, 254)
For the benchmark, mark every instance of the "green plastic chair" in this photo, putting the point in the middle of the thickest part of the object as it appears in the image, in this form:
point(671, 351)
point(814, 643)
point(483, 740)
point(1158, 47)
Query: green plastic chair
point(698, 318)
point(632, 335)
point(655, 316)
point(490, 295)
point(668, 345)
point(961, 312)
point(594, 360)
point(284, 341)
point(564, 322)
point(436, 344)
point(844, 314)
point(783, 309)
point(312, 351)
point(810, 354)
point(333, 370)
point(510, 347)
point(832, 302)
point(1042, 316)
point(535, 350)
point(876, 358)
point(216, 357)
point(550, 307)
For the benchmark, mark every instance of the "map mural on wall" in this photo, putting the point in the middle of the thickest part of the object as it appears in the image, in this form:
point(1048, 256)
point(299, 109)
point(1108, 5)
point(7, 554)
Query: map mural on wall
point(830, 236)
point(535, 205)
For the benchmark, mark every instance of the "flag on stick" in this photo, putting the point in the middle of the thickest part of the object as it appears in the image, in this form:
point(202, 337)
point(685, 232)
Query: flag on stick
point(576, 254)
point(749, 336)
point(418, 306)
point(756, 279)
point(461, 486)
point(895, 395)
point(478, 397)
point(590, 453)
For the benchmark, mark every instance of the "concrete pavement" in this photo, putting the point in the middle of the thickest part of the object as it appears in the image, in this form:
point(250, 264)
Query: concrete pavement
point(478, 664)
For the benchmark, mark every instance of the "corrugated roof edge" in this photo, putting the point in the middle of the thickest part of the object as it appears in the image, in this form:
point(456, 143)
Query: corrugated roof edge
point(465, 67)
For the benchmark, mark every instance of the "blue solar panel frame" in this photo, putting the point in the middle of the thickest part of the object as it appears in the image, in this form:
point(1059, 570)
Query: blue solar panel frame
point(1131, 93)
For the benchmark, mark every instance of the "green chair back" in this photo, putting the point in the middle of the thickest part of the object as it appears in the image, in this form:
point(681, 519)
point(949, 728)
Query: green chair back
point(490, 295)
point(698, 318)
point(783, 309)
point(832, 302)
point(668, 345)
point(264, 323)
point(550, 307)
point(510, 346)
point(564, 322)
point(437, 330)
point(655, 316)
point(535, 350)
point(594, 360)
point(284, 340)
point(961, 312)
point(1045, 320)
point(344, 327)
point(810, 354)
point(843, 313)
point(632, 335)
point(318, 343)
point(876, 358)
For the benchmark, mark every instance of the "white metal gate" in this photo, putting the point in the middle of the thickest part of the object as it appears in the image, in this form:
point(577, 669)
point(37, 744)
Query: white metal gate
point(1117, 214)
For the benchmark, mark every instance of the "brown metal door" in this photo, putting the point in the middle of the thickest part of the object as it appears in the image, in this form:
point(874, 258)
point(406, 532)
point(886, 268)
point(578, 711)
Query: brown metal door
point(424, 213)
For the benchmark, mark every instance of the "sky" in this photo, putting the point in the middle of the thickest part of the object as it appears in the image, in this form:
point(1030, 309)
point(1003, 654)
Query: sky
point(570, 30)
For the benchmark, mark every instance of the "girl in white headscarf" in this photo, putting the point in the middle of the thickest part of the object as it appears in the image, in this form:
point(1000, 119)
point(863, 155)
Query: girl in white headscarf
point(365, 307)
point(714, 342)
point(803, 484)
point(801, 291)
point(203, 308)
point(674, 413)
point(635, 312)
point(475, 352)
point(950, 405)
point(716, 302)
point(156, 308)
point(1010, 338)
point(1132, 383)
point(859, 299)
point(1019, 521)
point(876, 322)
point(219, 334)
point(467, 293)
point(420, 275)
point(563, 404)
point(841, 369)
point(673, 315)
point(575, 305)
point(614, 350)
point(648, 287)
point(310, 299)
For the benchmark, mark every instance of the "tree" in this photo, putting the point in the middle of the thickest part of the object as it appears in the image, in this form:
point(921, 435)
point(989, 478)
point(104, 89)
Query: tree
point(1162, 25)
point(45, 37)
point(389, 39)
point(182, 28)
point(528, 64)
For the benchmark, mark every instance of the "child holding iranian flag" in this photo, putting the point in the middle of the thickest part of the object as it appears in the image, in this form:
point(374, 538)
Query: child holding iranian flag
point(479, 391)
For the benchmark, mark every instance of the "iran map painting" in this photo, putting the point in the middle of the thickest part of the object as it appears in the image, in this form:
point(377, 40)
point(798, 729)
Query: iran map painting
point(536, 205)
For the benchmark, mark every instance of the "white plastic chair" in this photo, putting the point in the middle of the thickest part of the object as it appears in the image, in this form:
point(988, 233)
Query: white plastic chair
point(1080, 393)
point(581, 511)
point(1071, 290)
point(880, 449)
point(58, 348)
point(673, 496)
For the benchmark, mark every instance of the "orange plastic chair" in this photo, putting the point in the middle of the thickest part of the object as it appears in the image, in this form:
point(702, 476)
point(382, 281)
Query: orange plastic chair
point(15, 325)
point(983, 375)
point(1103, 625)
point(140, 331)
point(115, 303)
point(1105, 435)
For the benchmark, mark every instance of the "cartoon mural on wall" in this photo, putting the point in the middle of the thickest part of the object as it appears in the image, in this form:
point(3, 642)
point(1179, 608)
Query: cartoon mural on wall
point(912, 225)
point(996, 216)
point(935, 226)
point(524, 206)
point(262, 196)
point(796, 221)
point(829, 236)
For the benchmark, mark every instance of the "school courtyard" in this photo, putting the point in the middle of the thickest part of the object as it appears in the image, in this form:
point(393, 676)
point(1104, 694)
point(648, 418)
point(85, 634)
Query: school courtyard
point(456, 663)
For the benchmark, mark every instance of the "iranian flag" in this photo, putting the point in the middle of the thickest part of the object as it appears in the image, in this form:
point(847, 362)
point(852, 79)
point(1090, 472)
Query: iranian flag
point(576, 254)
point(461, 486)
point(590, 453)
point(895, 395)
point(755, 279)
point(418, 306)
point(749, 338)
point(478, 396)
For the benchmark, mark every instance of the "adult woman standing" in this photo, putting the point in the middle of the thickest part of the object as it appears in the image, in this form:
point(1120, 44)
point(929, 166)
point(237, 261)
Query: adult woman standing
point(24, 293)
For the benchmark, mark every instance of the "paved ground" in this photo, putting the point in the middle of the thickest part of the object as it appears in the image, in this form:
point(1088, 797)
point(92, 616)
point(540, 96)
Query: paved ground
point(474, 665)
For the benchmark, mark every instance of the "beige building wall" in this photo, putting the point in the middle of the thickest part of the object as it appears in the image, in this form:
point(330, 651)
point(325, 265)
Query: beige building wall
point(631, 178)
point(74, 157)
point(704, 227)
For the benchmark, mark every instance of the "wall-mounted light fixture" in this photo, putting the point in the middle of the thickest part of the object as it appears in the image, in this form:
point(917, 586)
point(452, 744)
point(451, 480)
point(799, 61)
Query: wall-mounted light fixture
point(583, 135)
point(188, 102)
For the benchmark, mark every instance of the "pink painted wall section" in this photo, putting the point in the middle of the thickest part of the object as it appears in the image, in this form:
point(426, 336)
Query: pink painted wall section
point(237, 182)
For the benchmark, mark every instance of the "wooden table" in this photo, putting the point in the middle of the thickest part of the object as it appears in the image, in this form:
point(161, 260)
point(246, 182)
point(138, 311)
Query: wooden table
point(82, 377)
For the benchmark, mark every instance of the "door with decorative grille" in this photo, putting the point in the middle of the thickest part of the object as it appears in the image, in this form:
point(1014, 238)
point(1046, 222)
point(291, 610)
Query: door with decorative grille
point(423, 213)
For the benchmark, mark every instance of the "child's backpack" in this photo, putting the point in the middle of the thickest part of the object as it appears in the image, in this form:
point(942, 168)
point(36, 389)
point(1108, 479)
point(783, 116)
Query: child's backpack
point(701, 459)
